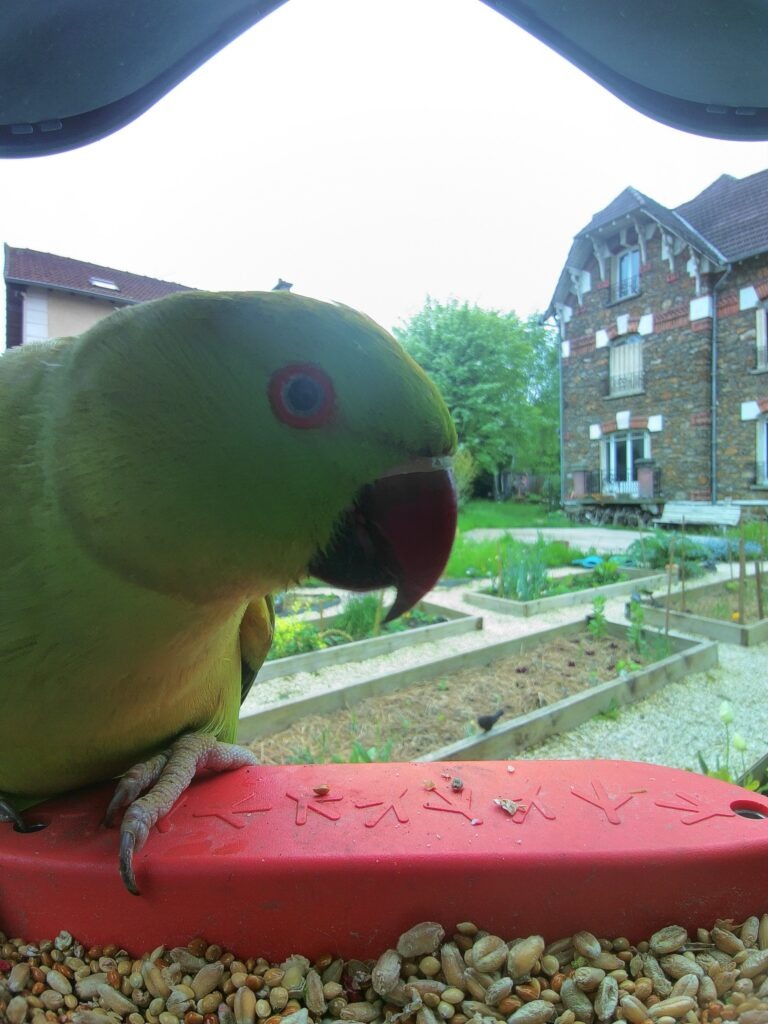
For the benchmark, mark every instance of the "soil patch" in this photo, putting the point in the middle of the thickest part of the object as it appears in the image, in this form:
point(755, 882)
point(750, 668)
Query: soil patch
point(723, 602)
point(409, 723)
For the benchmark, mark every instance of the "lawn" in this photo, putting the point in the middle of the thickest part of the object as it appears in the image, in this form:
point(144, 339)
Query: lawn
point(474, 559)
point(508, 515)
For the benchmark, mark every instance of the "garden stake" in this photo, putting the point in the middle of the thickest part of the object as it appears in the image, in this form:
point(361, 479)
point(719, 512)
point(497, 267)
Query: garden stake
point(670, 565)
point(682, 563)
point(759, 588)
point(742, 575)
point(730, 552)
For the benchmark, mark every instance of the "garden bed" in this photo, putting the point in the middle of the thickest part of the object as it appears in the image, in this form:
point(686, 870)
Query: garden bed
point(456, 623)
point(303, 602)
point(636, 579)
point(713, 611)
point(546, 682)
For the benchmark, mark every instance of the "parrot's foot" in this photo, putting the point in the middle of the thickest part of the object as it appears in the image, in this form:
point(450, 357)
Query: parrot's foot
point(9, 813)
point(162, 780)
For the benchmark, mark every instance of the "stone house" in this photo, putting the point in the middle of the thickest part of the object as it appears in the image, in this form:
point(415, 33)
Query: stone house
point(50, 296)
point(664, 355)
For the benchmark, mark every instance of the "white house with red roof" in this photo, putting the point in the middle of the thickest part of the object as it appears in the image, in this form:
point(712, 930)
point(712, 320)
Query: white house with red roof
point(49, 296)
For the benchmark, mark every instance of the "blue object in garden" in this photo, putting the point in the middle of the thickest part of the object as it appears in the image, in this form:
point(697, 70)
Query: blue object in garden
point(590, 562)
point(721, 548)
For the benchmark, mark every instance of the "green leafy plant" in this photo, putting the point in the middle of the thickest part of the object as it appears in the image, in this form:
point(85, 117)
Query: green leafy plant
point(636, 628)
point(367, 755)
point(597, 624)
point(606, 572)
point(653, 551)
point(294, 636)
point(611, 713)
point(626, 665)
point(732, 742)
point(465, 471)
point(522, 575)
point(361, 619)
point(358, 753)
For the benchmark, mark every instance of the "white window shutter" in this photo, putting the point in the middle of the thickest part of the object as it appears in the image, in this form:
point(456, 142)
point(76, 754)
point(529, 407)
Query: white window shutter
point(761, 314)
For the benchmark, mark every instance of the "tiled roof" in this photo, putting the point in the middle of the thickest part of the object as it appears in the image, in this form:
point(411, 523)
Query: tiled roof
point(733, 214)
point(631, 200)
point(726, 222)
point(27, 266)
point(625, 202)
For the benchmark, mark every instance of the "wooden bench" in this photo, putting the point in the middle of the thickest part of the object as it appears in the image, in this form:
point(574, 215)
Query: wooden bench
point(699, 513)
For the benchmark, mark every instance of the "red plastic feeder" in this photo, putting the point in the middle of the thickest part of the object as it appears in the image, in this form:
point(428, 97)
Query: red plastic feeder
point(343, 858)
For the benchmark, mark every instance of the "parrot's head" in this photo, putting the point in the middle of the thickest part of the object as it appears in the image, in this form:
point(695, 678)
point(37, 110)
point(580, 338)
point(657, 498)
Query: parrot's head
point(216, 442)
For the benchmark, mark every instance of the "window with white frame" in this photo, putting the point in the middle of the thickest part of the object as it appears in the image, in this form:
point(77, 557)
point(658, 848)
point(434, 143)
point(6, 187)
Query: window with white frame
point(761, 338)
point(619, 454)
point(626, 274)
point(625, 366)
point(761, 468)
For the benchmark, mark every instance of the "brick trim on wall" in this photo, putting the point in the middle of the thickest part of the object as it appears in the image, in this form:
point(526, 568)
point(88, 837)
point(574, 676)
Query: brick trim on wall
point(701, 419)
point(635, 423)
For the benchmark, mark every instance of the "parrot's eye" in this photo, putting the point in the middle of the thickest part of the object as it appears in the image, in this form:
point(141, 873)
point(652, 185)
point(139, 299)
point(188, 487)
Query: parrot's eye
point(301, 395)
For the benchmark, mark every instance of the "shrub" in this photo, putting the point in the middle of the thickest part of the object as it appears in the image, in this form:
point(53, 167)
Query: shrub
point(294, 636)
point(361, 616)
point(653, 551)
point(465, 471)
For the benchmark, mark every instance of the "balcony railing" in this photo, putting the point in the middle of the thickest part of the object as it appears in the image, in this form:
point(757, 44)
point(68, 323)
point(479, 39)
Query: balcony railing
point(625, 288)
point(624, 384)
point(598, 482)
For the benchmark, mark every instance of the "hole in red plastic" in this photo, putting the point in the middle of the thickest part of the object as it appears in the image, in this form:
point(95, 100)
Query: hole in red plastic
point(749, 809)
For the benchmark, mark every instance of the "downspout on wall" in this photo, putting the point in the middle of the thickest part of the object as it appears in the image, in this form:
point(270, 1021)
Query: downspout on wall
point(713, 381)
point(561, 339)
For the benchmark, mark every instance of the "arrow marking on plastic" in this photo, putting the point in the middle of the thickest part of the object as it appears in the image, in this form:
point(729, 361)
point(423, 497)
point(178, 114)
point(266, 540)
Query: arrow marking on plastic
point(307, 802)
point(697, 809)
point(393, 806)
point(237, 809)
point(450, 807)
point(609, 805)
point(526, 803)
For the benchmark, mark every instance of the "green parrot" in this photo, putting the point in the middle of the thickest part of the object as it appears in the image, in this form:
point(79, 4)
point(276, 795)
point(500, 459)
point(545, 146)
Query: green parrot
point(163, 473)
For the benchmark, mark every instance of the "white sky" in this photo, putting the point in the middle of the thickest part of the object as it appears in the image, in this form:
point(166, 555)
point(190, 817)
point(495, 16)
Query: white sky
point(370, 151)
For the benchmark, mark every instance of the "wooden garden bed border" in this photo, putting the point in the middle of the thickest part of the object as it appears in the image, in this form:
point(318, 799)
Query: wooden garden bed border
point(714, 629)
point(526, 730)
point(688, 656)
point(359, 650)
point(507, 606)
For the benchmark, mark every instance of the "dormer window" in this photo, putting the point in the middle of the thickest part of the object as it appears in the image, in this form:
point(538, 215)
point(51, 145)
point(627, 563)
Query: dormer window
point(626, 275)
point(105, 283)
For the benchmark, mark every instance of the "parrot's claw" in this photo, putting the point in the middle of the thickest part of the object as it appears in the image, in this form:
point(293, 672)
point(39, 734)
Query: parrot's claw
point(127, 847)
point(162, 779)
point(9, 813)
point(138, 780)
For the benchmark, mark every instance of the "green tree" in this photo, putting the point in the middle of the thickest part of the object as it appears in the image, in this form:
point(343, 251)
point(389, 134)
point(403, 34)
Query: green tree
point(498, 376)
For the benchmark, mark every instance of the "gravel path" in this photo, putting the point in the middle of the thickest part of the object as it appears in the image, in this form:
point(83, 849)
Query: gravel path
point(667, 728)
point(585, 537)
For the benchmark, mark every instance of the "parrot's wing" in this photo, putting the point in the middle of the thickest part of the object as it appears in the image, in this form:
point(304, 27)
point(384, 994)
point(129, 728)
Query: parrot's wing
point(256, 632)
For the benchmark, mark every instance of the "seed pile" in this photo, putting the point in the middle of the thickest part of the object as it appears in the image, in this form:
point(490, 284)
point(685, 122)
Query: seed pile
point(720, 974)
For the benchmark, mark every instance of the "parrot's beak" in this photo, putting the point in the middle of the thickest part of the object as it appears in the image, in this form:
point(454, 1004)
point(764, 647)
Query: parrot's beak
point(398, 533)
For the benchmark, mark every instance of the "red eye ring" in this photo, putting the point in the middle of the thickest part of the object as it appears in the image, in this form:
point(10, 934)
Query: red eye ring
point(302, 395)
